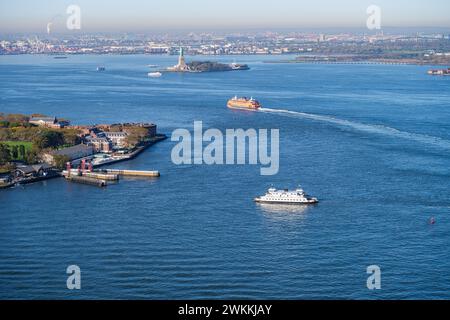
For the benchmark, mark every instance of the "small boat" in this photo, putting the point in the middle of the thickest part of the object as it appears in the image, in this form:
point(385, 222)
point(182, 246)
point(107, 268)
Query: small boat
point(59, 57)
point(238, 66)
point(101, 68)
point(154, 74)
point(286, 197)
point(152, 66)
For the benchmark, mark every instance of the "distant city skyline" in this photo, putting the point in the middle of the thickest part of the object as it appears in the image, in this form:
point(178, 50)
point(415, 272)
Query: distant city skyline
point(158, 15)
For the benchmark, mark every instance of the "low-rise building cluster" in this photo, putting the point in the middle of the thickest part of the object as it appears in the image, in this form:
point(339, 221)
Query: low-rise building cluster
point(248, 43)
point(49, 122)
point(99, 139)
point(109, 138)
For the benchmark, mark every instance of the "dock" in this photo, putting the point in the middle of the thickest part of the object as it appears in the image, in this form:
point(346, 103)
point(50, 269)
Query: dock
point(87, 180)
point(134, 173)
point(100, 178)
point(86, 173)
point(100, 175)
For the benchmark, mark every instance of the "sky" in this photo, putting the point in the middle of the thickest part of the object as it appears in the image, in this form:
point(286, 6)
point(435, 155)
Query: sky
point(156, 15)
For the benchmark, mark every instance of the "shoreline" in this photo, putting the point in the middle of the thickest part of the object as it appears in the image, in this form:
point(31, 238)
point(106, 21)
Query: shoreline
point(357, 62)
point(58, 174)
point(135, 153)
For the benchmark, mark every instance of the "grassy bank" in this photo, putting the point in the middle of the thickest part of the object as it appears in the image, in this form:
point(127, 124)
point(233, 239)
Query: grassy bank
point(26, 146)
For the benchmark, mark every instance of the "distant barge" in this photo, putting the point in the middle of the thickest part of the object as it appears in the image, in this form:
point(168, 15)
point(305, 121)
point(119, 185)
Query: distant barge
point(439, 72)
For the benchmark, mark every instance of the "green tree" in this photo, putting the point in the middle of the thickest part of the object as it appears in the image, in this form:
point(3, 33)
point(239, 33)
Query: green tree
point(22, 152)
point(49, 139)
point(71, 137)
point(15, 151)
point(5, 155)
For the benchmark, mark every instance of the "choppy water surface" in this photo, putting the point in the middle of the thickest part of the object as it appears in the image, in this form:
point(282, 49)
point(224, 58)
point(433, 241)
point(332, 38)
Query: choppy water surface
point(372, 142)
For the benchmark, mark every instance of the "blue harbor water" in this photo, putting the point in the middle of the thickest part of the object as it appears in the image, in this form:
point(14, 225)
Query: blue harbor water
point(372, 142)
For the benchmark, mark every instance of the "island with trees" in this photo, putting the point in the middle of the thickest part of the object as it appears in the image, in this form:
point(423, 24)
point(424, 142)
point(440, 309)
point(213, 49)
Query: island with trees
point(36, 147)
point(209, 66)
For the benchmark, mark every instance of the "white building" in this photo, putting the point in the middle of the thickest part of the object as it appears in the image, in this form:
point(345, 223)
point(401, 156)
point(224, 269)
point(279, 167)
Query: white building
point(117, 138)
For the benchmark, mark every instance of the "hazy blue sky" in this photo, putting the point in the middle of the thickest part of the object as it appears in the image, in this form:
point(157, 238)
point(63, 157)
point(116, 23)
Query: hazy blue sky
point(135, 15)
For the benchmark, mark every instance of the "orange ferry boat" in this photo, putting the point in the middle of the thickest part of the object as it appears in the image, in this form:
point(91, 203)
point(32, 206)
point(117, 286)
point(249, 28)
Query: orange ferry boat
point(243, 103)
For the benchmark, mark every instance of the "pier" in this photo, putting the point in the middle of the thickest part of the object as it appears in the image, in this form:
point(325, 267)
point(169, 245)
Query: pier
point(133, 173)
point(101, 176)
point(87, 180)
point(98, 179)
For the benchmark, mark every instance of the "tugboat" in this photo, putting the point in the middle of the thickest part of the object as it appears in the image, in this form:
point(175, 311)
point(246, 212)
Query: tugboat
point(286, 197)
point(243, 103)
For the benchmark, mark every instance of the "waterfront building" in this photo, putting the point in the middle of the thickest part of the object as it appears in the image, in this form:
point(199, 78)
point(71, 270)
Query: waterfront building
point(32, 171)
point(117, 138)
point(151, 129)
point(50, 122)
point(100, 144)
point(155, 49)
point(72, 153)
point(103, 140)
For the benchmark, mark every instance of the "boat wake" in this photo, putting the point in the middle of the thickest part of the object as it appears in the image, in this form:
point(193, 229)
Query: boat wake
point(367, 128)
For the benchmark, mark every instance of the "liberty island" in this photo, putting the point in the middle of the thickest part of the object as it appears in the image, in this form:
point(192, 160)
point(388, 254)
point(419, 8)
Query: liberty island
point(203, 66)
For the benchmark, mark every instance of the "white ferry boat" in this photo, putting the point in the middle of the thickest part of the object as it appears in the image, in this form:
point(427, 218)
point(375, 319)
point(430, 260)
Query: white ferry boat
point(286, 197)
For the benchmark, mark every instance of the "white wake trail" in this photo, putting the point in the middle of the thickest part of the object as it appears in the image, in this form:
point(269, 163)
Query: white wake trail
point(368, 128)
